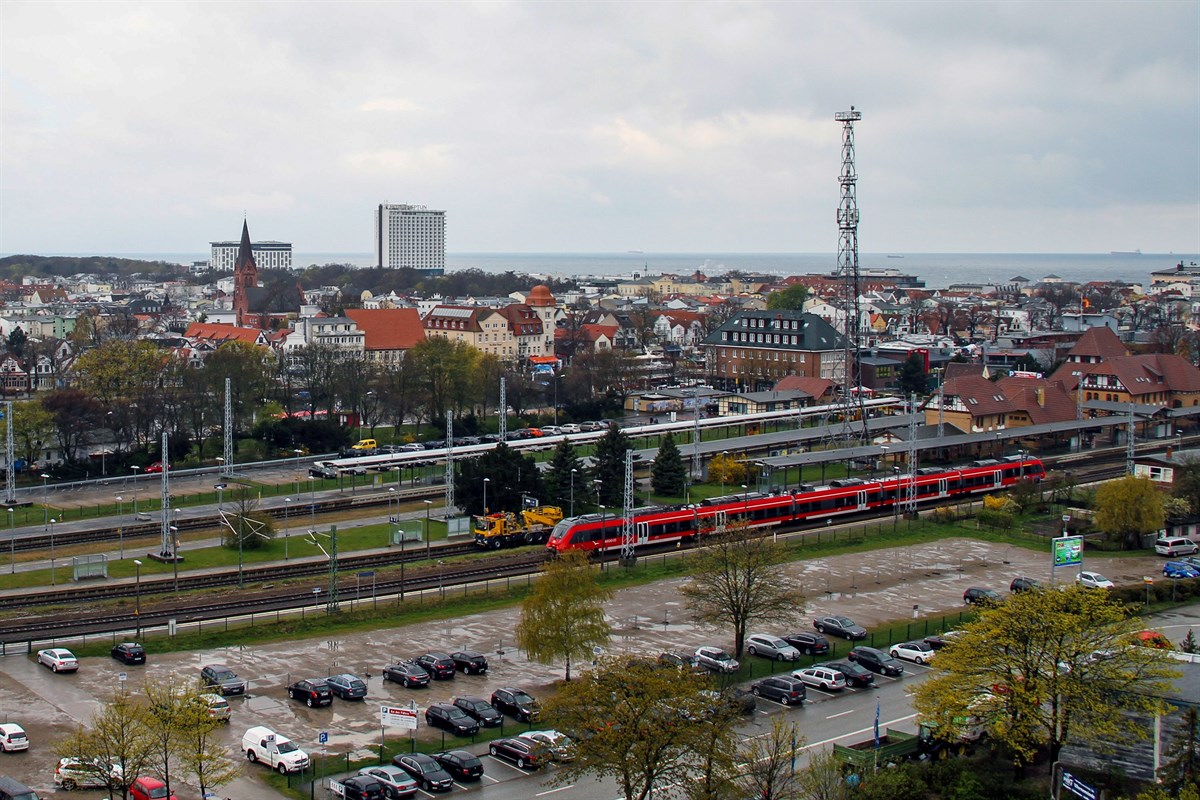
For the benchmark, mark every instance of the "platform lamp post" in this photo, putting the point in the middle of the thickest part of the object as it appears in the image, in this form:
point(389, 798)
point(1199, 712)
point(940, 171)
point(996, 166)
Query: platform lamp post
point(52, 575)
point(12, 542)
point(573, 471)
point(896, 499)
point(286, 502)
point(746, 505)
point(120, 528)
point(441, 568)
point(135, 469)
point(45, 503)
point(175, 554)
point(137, 600)
point(486, 481)
point(428, 538)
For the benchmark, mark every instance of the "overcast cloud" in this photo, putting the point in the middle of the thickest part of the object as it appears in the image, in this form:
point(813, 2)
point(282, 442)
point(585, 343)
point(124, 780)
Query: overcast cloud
point(601, 127)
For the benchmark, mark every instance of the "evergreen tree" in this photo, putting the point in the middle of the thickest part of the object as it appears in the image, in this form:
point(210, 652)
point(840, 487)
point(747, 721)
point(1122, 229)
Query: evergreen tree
point(1189, 643)
point(563, 490)
point(510, 475)
point(912, 378)
point(610, 466)
point(1181, 762)
point(668, 476)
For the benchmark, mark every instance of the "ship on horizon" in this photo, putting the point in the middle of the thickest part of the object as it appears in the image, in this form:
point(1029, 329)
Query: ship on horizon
point(1125, 253)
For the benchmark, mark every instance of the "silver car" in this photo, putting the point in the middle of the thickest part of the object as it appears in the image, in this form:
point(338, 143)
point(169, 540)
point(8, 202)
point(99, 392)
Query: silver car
point(716, 659)
point(768, 646)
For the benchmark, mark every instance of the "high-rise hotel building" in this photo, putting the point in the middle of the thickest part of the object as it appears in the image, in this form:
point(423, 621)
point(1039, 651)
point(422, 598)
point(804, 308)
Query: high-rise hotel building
point(410, 236)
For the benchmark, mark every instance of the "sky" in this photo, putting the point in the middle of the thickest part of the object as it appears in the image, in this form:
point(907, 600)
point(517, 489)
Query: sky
point(1008, 127)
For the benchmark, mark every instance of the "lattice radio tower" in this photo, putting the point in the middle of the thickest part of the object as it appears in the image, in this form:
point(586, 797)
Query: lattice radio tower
point(851, 401)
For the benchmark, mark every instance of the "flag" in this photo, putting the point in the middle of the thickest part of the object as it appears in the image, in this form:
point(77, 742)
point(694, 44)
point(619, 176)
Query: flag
point(876, 724)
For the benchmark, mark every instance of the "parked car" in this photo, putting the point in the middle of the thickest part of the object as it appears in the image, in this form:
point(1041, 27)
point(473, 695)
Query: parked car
point(470, 662)
point(58, 659)
point(1180, 569)
point(1174, 546)
point(481, 710)
point(772, 647)
point(560, 746)
point(916, 652)
point(129, 653)
point(876, 661)
point(396, 782)
point(347, 686)
point(843, 627)
point(977, 595)
point(570, 427)
point(716, 660)
point(78, 773)
point(148, 788)
point(1093, 580)
point(781, 688)
point(410, 674)
point(223, 679)
point(13, 738)
point(154, 468)
point(451, 718)
point(216, 706)
point(13, 789)
point(362, 787)
point(440, 666)
point(312, 692)
point(461, 765)
point(830, 680)
point(425, 770)
point(522, 752)
point(516, 703)
point(808, 643)
point(939, 640)
point(1023, 584)
point(740, 700)
point(853, 673)
point(680, 661)
point(320, 469)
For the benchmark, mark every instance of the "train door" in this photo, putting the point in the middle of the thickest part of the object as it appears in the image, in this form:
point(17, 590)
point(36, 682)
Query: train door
point(719, 521)
point(943, 487)
point(642, 531)
point(998, 478)
point(862, 501)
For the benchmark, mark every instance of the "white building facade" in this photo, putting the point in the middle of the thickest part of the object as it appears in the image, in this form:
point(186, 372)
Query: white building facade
point(413, 237)
point(267, 255)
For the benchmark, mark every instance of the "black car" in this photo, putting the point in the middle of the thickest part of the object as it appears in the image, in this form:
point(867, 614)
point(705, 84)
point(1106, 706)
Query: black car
point(516, 703)
point(977, 595)
point(320, 470)
point(470, 662)
point(781, 688)
point(844, 627)
point(313, 691)
point(808, 643)
point(481, 710)
point(681, 661)
point(939, 640)
point(223, 679)
point(855, 675)
point(408, 673)
point(427, 772)
point(362, 787)
point(129, 653)
point(451, 718)
point(876, 661)
point(1023, 584)
point(522, 752)
point(460, 764)
point(439, 665)
point(347, 686)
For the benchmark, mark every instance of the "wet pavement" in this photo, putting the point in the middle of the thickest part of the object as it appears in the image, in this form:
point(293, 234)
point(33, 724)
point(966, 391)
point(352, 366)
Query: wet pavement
point(873, 588)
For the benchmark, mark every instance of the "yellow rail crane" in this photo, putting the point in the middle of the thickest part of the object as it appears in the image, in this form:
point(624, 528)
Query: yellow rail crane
point(507, 529)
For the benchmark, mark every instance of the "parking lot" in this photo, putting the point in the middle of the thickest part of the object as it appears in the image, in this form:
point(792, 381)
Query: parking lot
point(873, 588)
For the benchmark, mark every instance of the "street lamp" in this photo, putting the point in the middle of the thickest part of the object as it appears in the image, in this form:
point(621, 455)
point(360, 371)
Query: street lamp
point(486, 481)
point(12, 542)
point(286, 502)
point(45, 503)
point(135, 469)
point(298, 453)
point(746, 504)
point(175, 553)
point(52, 579)
point(573, 471)
point(120, 528)
point(137, 601)
point(441, 589)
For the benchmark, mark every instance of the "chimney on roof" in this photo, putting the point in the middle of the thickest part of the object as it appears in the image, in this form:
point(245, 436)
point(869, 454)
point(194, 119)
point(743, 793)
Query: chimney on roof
point(1041, 396)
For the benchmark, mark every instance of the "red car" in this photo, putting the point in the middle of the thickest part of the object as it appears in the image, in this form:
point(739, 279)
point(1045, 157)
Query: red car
point(146, 788)
point(155, 467)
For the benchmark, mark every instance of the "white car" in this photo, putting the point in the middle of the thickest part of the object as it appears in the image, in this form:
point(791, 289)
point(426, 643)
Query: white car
point(13, 738)
point(570, 427)
point(560, 746)
point(716, 659)
point(821, 677)
point(916, 652)
point(58, 659)
point(77, 773)
point(1093, 580)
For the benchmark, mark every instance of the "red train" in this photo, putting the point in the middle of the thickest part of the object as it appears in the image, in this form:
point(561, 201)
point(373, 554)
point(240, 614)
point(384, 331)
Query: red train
point(805, 504)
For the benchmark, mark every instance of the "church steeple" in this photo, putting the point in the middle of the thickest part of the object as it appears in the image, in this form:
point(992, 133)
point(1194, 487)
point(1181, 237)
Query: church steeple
point(245, 276)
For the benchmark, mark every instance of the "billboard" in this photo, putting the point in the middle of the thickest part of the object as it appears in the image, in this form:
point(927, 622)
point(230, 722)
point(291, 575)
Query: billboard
point(1068, 551)
point(398, 717)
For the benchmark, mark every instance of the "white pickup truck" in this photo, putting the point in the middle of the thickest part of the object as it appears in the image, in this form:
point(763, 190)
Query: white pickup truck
point(263, 745)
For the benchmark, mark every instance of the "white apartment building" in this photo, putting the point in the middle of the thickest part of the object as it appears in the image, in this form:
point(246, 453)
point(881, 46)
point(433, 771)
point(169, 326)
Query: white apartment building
point(267, 255)
point(410, 236)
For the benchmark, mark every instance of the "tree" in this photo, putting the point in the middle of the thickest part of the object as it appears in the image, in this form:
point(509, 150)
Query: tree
point(1186, 483)
point(668, 476)
point(511, 475)
point(1127, 509)
point(768, 770)
point(126, 378)
point(610, 466)
point(822, 778)
point(564, 616)
point(75, 415)
point(790, 299)
point(636, 722)
point(33, 426)
point(113, 745)
point(166, 717)
point(912, 378)
point(1189, 643)
point(1028, 666)
point(1181, 762)
point(737, 579)
point(726, 470)
point(565, 477)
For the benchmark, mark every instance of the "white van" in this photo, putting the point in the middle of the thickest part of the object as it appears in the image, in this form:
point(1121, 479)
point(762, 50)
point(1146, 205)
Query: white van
point(278, 752)
point(1175, 546)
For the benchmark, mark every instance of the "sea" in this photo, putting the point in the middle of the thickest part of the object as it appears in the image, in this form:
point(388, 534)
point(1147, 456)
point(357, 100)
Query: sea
point(937, 270)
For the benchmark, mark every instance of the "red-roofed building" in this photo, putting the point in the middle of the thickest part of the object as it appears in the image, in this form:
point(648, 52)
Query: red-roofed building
point(974, 404)
point(217, 334)
point(389, 332)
